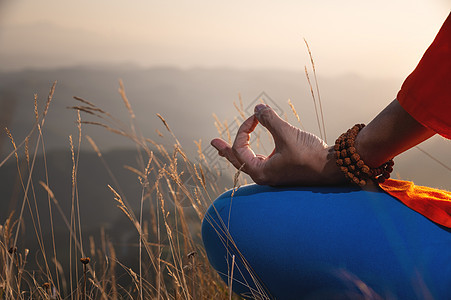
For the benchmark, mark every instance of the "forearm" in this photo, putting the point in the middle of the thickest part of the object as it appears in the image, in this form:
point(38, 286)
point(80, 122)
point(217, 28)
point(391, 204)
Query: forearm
point(390, 133)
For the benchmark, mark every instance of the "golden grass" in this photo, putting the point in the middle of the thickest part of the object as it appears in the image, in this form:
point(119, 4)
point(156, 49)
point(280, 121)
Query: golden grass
point(172, 263)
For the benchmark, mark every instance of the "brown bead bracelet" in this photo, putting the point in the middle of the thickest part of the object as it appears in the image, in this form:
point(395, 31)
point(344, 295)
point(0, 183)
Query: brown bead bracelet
point(350, 163)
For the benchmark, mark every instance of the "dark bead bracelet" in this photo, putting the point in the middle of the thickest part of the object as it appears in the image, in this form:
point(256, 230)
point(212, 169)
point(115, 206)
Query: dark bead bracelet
point(351, 164)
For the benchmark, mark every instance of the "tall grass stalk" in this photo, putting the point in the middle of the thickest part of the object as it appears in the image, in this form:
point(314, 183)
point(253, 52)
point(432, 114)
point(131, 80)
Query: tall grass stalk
point(323, 134)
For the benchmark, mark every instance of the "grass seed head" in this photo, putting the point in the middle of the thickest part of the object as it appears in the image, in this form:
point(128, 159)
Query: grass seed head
point(85, 260)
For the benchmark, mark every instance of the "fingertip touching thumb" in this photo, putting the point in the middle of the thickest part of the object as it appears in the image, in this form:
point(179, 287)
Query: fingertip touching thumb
point(269, 118)
point(264, 114)
point(259, 107)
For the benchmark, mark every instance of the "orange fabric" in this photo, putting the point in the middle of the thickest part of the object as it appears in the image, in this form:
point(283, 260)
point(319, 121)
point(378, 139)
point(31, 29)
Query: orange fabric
point(426, 96)
point(432, 203)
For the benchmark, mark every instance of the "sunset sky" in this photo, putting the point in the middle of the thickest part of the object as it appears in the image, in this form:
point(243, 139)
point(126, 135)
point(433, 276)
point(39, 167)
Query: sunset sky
point(383, 38)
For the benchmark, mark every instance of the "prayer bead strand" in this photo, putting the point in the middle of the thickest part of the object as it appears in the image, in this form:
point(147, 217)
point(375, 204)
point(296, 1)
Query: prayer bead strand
point(351, 164)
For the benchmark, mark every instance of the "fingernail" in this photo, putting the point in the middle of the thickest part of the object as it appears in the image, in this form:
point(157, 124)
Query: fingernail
point(259, 108)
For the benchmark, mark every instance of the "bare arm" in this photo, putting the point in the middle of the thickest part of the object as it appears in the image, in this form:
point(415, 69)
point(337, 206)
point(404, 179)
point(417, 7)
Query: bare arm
point(390, 133)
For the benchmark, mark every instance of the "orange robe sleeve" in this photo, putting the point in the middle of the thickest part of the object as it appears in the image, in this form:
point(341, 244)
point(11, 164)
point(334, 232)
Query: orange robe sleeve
point(426, 96)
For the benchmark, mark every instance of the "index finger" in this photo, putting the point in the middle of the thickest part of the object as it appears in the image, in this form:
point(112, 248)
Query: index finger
point(242, 149)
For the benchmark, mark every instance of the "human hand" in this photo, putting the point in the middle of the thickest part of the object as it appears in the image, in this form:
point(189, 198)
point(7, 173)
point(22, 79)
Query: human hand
point(298, 158)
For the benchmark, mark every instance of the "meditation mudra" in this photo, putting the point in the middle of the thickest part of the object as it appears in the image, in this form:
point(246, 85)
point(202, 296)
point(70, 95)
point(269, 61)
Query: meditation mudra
point(327, 222)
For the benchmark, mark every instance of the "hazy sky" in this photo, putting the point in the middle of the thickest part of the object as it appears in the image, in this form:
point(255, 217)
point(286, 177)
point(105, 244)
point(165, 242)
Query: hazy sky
point(384, 38)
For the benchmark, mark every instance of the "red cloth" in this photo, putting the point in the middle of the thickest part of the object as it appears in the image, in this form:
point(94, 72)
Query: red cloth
point(426, 93)
point(426, 96)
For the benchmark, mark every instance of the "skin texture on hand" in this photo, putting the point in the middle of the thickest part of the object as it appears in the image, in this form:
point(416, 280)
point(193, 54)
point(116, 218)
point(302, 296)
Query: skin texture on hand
point(298, 158)
point(301, 158)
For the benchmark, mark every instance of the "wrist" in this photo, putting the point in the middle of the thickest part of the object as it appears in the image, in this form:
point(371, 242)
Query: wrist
point(331, 172)
point(365, 148)
point(350, 161)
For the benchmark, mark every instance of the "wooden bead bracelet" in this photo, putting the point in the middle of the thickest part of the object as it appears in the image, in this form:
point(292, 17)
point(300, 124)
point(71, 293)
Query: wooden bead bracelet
point(350, 163)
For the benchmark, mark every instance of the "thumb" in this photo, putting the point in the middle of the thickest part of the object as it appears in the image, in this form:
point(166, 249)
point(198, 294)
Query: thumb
point(271, 121)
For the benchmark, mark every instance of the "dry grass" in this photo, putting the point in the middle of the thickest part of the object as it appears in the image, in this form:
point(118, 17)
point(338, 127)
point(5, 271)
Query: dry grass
point(172, 262)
